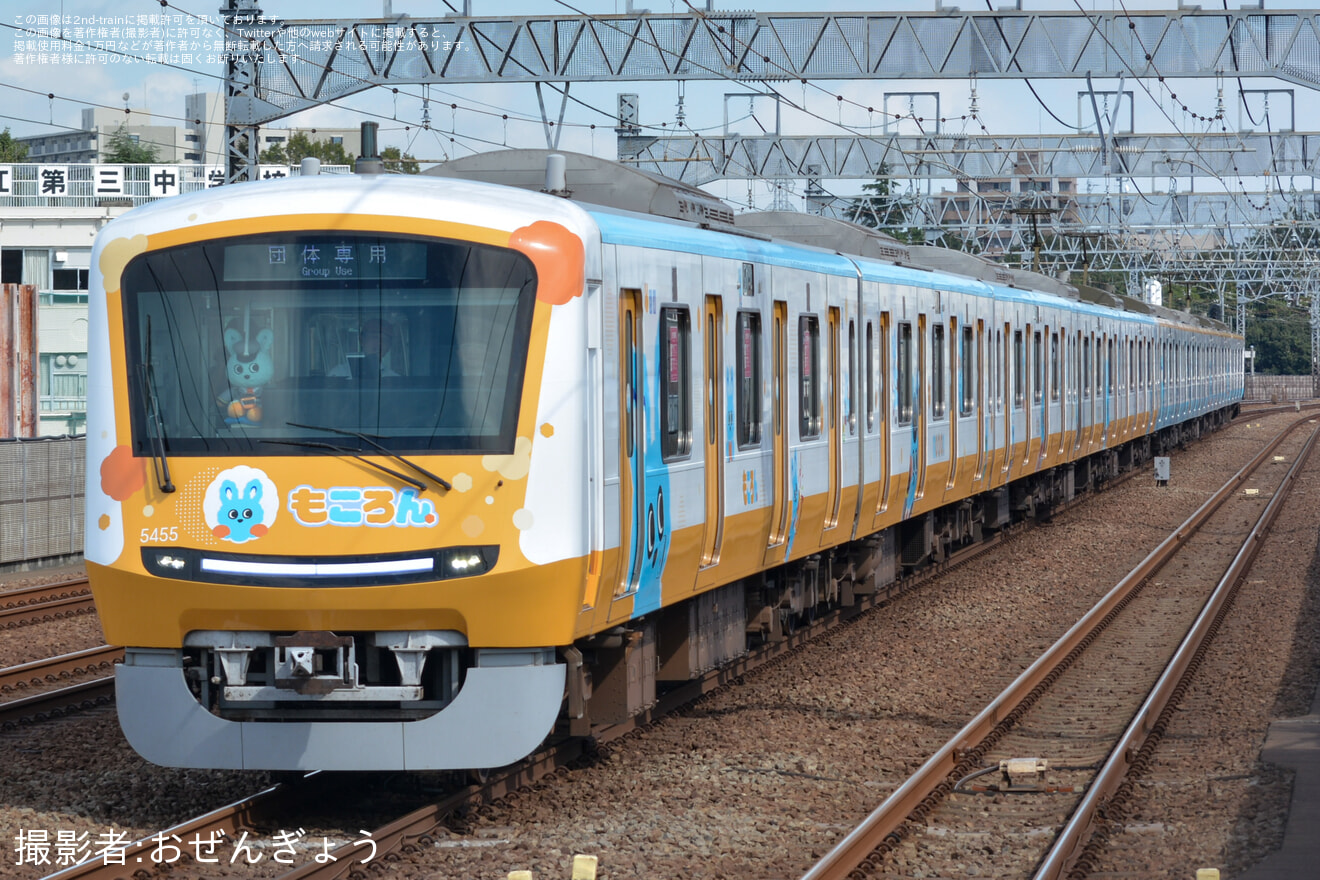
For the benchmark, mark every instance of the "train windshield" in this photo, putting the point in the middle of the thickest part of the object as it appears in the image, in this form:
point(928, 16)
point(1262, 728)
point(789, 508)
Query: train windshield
point(283, 343)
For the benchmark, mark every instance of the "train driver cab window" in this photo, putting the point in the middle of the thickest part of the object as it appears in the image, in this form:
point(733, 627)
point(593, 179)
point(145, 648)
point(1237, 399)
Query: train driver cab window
point(1019, 370)
point(966, 372)
point(904, 378)
point(676, 382)
point(938, 380)
point(298, 343)
point(809, 419)
point(748, 386)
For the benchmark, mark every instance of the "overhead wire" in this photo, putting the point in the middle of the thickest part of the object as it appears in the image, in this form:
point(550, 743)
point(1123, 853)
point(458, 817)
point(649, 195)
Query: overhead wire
point(1160, 77)
point(772, 92)
point(130, 56)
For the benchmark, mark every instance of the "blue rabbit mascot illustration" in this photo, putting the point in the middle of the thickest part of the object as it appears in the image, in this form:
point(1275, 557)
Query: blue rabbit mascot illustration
point(241, 513)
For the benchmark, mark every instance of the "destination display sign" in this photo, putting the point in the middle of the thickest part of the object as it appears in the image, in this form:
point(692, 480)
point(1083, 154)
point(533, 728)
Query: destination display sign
point(328, 259)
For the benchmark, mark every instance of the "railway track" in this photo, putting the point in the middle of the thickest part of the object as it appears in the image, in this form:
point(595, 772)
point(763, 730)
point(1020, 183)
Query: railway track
point(437, 817)
point(441, 810)
point(225, 824)
point(14, 679)
point(1092, 707)
point(45, 602)
point(55, 703)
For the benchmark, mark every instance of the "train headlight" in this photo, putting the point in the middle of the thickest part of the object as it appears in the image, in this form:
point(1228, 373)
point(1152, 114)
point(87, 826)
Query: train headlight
point(170, 562)
point(469, 561)
point(464, 562)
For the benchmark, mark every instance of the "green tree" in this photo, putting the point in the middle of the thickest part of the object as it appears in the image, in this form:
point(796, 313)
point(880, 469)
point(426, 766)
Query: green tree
point(300, 146)
point(122, 149)
point(1281, 335)
point(10, 149)
point(1277, 306)
point(880, 207)
point(398, 162)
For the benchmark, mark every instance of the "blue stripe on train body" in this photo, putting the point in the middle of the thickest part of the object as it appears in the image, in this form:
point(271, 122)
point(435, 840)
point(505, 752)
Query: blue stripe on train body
point(655, 527)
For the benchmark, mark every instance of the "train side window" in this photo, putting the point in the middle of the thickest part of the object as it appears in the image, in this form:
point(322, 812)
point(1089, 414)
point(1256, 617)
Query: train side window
point(676, 379)
point(870, 377)
point(1056, 380)
point(967, 369)
point(748, 386)
point(1000, 354)
point(938, 382)
point(1019, 370)
point(1099, 341)
point(852, 378)
point(630, 384)
point(1037, 368)
point(1109, 351)
point(1086, 366)
point(747, 280)
point(904, 379)
point(809, 421)
point(1070, 367)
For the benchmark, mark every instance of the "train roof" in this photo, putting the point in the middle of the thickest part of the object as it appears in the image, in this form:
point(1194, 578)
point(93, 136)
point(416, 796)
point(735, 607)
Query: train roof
point(612, 185)
point(594, 181)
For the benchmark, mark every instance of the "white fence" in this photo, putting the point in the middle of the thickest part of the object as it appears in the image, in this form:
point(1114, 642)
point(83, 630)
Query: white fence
point(1279, 389)
point(41, 499)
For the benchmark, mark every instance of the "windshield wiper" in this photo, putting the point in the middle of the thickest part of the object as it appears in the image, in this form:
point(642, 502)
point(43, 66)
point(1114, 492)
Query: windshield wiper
point(352, 453)
point(151, 412)
point(366, 438)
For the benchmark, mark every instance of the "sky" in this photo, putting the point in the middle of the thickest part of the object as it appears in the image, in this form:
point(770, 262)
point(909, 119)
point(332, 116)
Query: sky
point(476, 125)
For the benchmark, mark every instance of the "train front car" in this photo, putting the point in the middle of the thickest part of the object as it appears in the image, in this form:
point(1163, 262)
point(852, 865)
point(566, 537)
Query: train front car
point(337, 494)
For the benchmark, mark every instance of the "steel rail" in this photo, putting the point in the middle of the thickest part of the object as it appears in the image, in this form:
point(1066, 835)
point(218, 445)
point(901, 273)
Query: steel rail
point(1147, 725)
point(40, 672)
point(44, 592)
point(932, 779)
point(416, 826)
point(223, 821)
point(54, 609)
point(57, 703)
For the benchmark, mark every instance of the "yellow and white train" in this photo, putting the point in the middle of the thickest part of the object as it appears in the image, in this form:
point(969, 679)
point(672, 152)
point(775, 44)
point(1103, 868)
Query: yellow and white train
point(407, 472)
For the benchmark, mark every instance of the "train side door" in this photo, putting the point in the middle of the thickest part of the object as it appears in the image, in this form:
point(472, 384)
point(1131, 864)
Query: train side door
point(921, 415)
point(955, 396)
point(714, 531)
point(884, 413)
point(632, 434)
point(982, 401)
point(835, 419)
point(1010, 380)
point(779, 426)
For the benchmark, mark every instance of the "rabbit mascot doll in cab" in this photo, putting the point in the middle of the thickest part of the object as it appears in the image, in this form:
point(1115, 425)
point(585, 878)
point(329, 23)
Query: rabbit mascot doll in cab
point(248, 367)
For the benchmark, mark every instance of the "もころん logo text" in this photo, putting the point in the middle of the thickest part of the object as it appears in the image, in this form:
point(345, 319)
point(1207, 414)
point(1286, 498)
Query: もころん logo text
point(240, 504)
point(354, 506)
